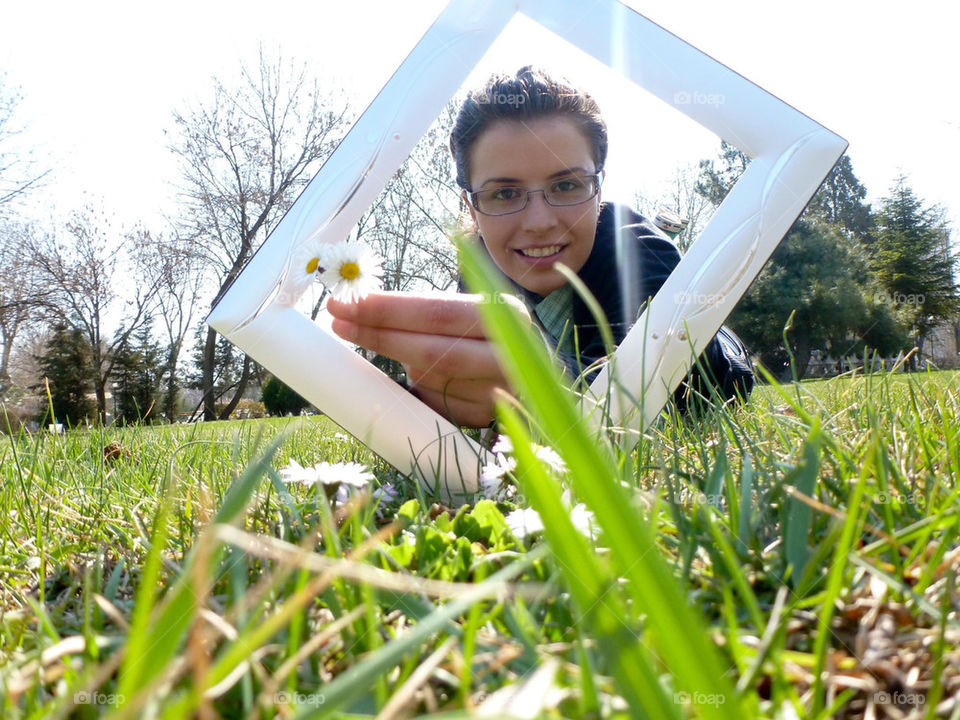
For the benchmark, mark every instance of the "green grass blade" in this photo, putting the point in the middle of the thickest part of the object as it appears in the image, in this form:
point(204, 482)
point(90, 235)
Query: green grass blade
point(680, 638)
point(354, 682)
point(838, 569)
point(744, 523)
point(154, 638)
point(599, 598)
point(141, 639)
point(799, 515)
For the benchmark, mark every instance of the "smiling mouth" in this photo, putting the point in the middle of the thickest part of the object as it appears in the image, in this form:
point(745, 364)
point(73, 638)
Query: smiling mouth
point(540, 252)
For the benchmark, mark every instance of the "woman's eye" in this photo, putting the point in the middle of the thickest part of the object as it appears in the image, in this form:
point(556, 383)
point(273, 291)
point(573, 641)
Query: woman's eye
point(504, 194)
point(567, 185)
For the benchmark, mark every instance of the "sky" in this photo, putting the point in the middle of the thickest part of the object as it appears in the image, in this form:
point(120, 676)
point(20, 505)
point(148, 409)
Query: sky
point(100, 82)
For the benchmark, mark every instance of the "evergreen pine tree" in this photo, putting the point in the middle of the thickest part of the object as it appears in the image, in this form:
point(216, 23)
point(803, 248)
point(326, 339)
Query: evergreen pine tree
point(713, 183)
point(65, 365)
point(136, 379)
point(911, 257)
point(840, 201)
point(832, 301)
point(820, 270)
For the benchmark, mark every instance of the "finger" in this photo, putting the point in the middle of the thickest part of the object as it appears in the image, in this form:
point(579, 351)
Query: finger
point(441, 314)
point(446, 314)
point(462, 388)
point(460, 412)
point(450, 356)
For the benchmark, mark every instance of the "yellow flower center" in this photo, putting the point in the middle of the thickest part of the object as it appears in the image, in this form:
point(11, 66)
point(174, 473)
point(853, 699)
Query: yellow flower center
point(349, 271)
point(312, 265)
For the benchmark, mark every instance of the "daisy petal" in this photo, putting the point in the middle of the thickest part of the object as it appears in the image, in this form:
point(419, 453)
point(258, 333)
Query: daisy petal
point(548, 456)
point(503, 445)
point(351, 270)
point(301, 273)
point(489, 484)
point(350, 473)
point(523, 523)
point(295, 472)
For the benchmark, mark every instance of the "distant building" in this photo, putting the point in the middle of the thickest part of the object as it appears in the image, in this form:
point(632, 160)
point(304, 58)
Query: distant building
point(941, 351)
point(942, 346)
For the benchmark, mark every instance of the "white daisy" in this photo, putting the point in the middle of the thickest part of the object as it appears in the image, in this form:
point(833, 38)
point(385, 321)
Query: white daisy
point(350, 270)
point(301, 274)
point(489, 483)
point(295, 472)
point(527, 521)
point(582, 519)
point(502, 465)
point(523, 523)
point(349, 474)
point(547, 455)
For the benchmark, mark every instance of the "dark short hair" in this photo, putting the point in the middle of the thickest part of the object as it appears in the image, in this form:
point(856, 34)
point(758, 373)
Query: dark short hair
point(529, 95)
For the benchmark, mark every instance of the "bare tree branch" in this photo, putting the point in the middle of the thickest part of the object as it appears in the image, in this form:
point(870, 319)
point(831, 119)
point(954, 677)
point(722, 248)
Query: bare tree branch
point(83, 276)
point(18, 171)
point(244, 158)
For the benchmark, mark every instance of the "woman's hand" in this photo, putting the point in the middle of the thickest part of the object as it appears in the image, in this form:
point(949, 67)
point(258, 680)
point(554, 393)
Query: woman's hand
point(440, 341)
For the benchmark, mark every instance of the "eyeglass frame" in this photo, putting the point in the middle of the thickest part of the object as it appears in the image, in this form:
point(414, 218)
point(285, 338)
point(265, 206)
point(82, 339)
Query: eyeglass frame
point(597, 179)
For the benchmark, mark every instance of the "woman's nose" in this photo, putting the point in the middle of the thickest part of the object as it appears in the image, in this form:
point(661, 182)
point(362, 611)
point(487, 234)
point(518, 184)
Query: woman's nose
point(538, 215)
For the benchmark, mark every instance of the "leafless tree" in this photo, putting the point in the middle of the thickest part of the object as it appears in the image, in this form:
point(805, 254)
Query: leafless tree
point(18, 171)
point(174, 263)
point(690, 205)
point(23, 294)
point(410, 223)
point(681, 197)
point(245, 155)
point(85, 275)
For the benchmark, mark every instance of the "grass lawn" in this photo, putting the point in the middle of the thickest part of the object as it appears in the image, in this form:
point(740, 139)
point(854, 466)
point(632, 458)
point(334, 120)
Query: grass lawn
point(795, 557)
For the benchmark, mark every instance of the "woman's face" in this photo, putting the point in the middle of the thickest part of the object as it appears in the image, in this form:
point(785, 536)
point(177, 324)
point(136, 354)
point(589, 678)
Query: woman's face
point(526, 244)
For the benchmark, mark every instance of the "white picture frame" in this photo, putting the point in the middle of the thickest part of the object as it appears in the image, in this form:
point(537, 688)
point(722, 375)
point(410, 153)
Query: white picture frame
point(790, 156)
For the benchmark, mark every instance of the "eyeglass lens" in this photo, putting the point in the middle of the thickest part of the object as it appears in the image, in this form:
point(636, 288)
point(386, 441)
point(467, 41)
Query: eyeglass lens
point(565, 191)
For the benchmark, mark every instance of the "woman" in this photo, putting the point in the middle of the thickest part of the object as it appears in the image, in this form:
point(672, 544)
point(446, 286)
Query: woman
point(529, 152)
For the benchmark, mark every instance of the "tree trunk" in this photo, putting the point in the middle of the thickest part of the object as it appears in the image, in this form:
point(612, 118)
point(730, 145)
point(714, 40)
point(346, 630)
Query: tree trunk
point(916, 360)
point(241, 387)
point(5, 364)
point(209, 354)
point(100, 388)
point(801, 355)
point(170, 395)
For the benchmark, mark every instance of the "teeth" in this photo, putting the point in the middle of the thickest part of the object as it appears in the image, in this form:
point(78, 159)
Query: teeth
point(542, 252)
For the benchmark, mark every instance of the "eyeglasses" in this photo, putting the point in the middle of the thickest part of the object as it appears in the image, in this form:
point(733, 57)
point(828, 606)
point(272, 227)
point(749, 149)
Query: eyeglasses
point(559, 193)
